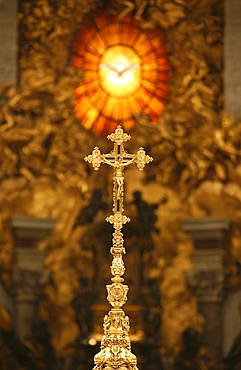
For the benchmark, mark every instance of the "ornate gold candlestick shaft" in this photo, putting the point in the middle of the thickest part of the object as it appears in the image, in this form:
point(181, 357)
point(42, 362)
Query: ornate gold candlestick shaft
point(115, 350)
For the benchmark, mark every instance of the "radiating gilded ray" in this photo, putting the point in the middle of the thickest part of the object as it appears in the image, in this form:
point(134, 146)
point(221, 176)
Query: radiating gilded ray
point(164, 78)
point(90, 59)
point(142, 45)
point(100, 20)
point(155, 106)
point(82, 108)
point(91, 86)
point(143, 96)
point(128, 33)
point(99, 125)
point(161, 90)
point(110, 34)
point(91, 116)
point(102, 125)
point(97, 44)
point(148, 85)
point(128, 124)
point(150, 57)
point(156, 42)
point(99, 100)
point(122, 113)
point(151, 76)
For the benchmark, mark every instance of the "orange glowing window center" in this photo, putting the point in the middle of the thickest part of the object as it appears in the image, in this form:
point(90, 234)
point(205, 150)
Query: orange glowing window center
point(120, 71)
point(126, 72)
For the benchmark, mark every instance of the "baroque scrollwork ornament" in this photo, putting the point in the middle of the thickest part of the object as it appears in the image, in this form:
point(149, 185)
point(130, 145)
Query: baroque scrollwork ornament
point(115, 346)
point(40, 137)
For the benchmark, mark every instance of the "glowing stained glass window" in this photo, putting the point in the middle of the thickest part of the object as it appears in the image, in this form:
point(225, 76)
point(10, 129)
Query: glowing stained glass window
point(126, 73)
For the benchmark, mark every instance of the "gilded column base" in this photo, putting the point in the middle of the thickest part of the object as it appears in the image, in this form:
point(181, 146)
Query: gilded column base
point(115, 346)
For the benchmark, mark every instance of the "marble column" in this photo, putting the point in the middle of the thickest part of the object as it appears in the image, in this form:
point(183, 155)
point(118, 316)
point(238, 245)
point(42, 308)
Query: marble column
point(29, 274)
point(211, 240)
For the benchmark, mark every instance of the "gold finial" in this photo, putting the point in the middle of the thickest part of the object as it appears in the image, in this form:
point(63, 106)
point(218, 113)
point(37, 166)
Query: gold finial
point(115, 345)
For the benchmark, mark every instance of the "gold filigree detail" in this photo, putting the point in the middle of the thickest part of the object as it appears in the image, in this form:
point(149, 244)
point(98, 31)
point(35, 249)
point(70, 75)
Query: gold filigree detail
point(117, 267)
point(119, 136)
point(95, 158)
point(142, 159)
point(118, 240)
point(182, 143)
point(117, 294)
point(115, 345)
point(118, 159)
point(118, 220)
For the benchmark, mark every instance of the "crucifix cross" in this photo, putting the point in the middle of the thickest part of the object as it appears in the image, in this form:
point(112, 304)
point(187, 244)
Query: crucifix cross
point(115, 345)
point(118, 159)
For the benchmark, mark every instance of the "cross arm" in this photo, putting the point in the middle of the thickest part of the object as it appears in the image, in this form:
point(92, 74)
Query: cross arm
point(96, 158)
point(141, 159)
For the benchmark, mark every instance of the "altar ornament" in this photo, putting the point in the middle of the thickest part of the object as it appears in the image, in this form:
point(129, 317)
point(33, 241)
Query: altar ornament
point(115, 345)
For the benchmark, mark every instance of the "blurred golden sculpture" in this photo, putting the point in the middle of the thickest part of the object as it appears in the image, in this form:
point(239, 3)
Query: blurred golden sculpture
point(196, 150)
point(151, 13)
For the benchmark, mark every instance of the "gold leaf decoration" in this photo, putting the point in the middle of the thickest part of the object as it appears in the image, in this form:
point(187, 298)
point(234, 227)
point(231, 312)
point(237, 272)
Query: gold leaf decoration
point(195, 146)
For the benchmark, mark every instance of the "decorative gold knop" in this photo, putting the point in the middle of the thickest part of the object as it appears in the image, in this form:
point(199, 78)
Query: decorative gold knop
point(115, 345)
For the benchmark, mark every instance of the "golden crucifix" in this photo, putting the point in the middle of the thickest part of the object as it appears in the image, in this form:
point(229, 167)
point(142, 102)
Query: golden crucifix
point(115, 345)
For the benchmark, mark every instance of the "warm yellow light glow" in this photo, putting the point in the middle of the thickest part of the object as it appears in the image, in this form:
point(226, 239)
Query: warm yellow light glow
point(120, 71)
point(92, 341)
point(126, 73)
